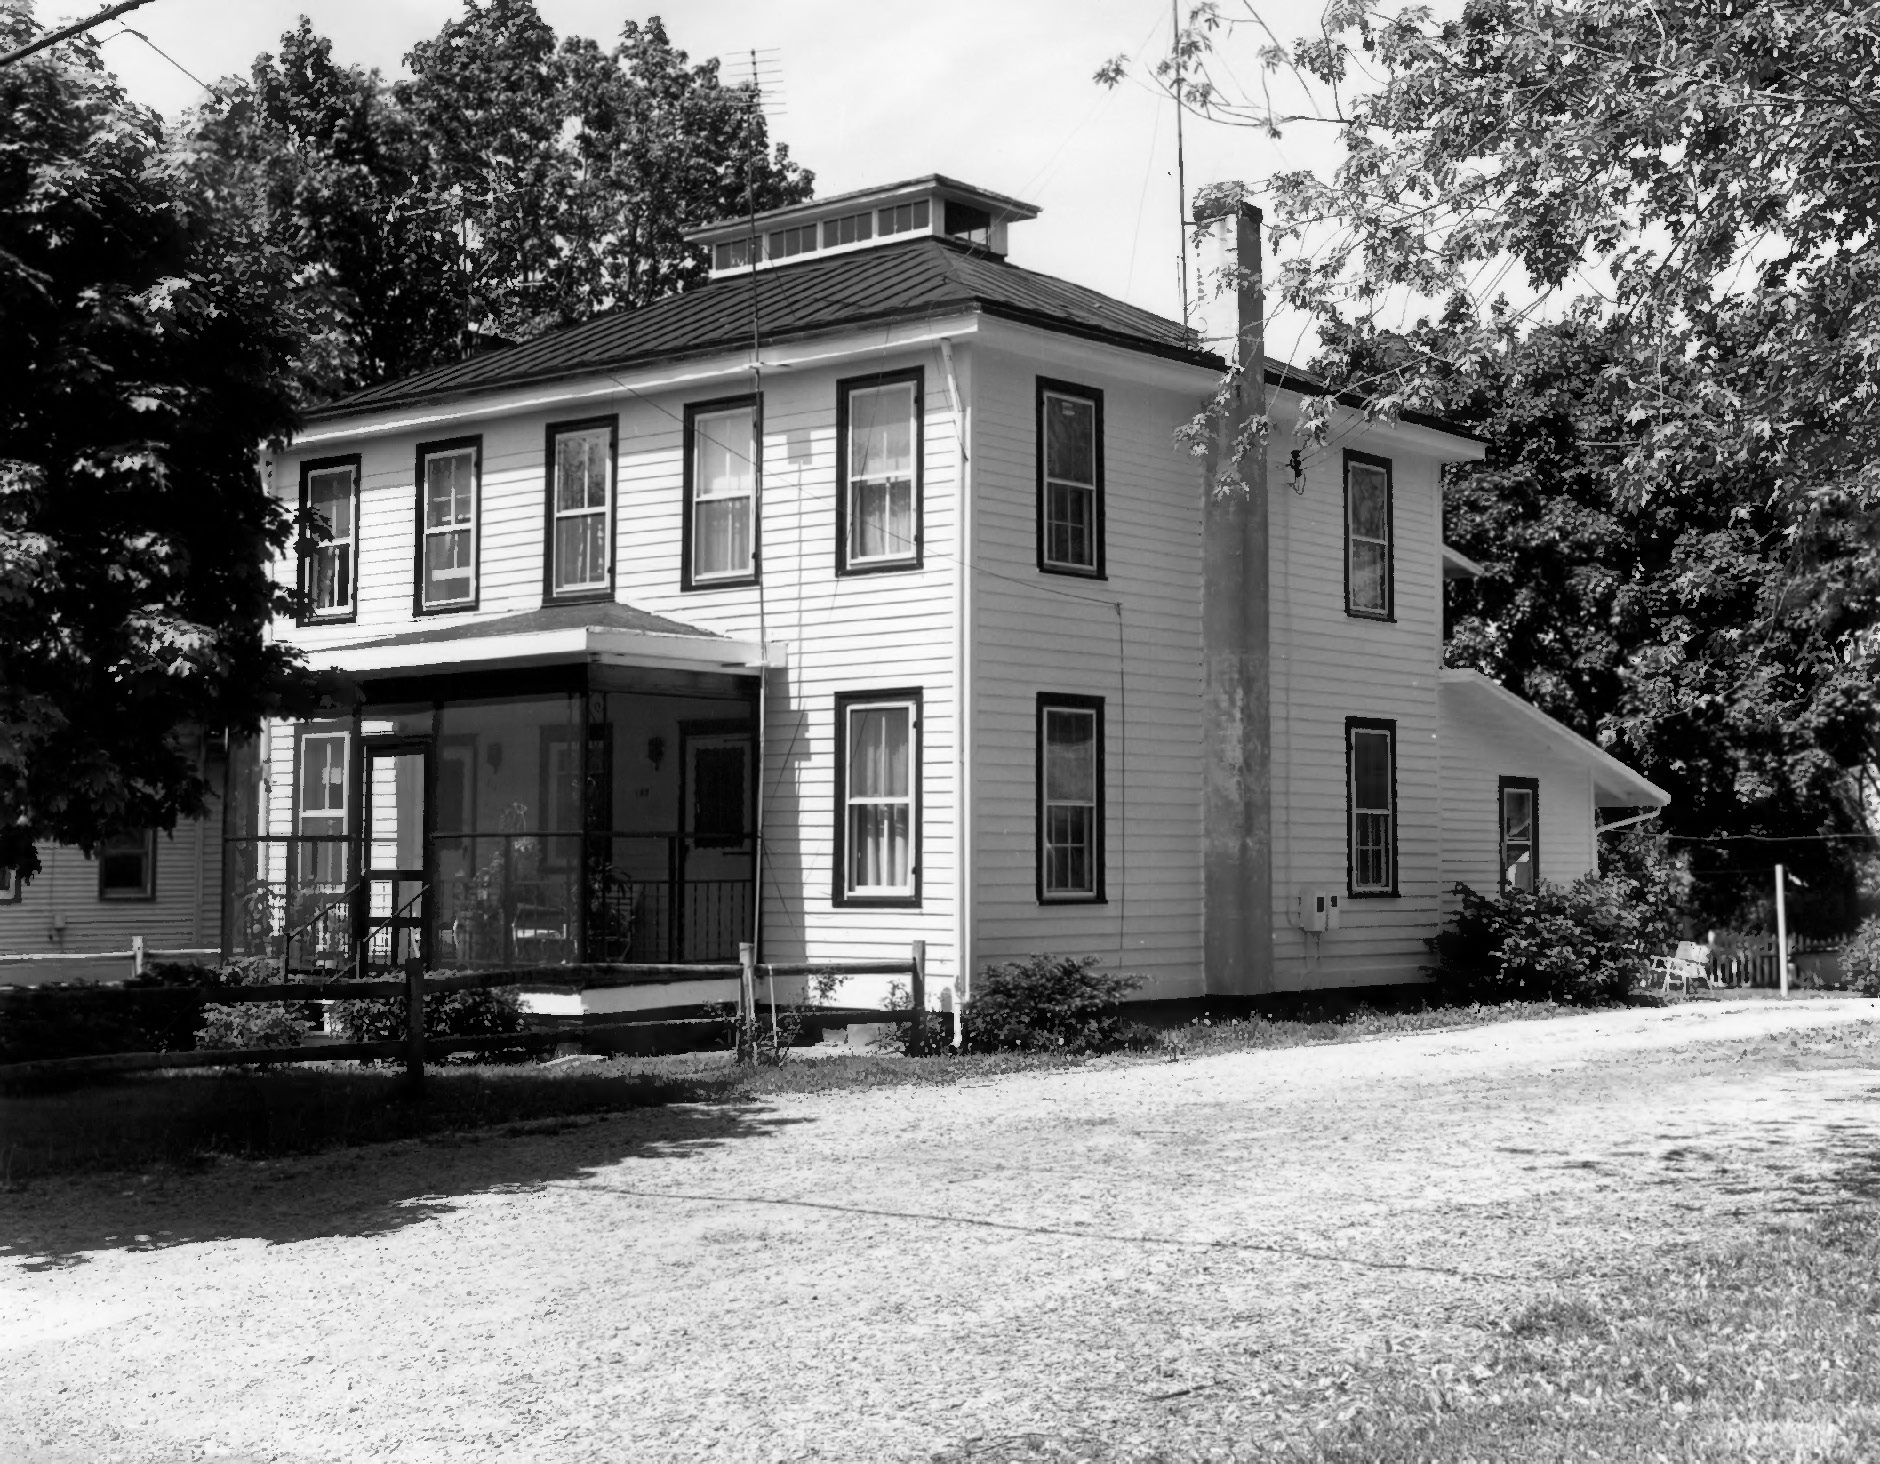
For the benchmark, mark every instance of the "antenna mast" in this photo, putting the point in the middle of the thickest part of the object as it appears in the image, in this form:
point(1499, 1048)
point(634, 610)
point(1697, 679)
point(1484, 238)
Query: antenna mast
point(1181, 166)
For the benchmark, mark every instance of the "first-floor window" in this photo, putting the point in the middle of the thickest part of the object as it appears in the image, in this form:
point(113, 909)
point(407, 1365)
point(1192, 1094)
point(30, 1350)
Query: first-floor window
point(1371, 781)
point(879, 809)
point(721, 493)
point(1520, 833)
point(127, 867)
point(447, 574)
point(324, 798)
point(9, 887)
point(1070, 798)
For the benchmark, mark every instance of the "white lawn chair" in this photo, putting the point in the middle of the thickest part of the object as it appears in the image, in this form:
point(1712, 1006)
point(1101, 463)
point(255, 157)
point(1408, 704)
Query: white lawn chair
point(1689, 963)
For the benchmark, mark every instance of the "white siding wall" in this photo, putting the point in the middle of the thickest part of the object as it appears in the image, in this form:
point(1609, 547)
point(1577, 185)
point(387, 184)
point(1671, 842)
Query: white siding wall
point(852, 634)
point(1038, 632)
point(1327, 666)
point(1481, 745)
point(184, 915)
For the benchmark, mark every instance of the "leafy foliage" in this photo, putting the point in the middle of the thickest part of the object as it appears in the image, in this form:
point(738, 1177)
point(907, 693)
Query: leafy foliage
point(39, 1023)
point(251, 1024)
point(1583, 943)
point(1047, 1004)
point(516, 181)
point(481, 1013)
point(1860, 957)
point(150, 349)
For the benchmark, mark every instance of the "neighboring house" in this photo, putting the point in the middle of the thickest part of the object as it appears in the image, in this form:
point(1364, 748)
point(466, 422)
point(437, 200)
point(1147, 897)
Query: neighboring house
point(656, 634)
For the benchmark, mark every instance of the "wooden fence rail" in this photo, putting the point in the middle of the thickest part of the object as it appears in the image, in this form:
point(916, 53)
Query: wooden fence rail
point(416, 1047)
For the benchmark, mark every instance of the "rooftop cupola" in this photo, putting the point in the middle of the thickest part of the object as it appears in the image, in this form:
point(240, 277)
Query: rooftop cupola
point(933, 206)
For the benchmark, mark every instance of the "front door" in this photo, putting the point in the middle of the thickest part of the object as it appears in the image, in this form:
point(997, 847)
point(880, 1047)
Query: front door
point(393, 887)
point(717, 847)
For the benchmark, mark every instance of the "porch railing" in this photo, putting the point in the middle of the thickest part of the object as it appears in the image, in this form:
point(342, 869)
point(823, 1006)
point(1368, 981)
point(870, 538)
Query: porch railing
point(502, 899)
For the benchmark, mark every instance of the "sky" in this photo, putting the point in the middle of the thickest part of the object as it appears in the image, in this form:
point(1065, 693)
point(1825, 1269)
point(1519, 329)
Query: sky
point(994, 92)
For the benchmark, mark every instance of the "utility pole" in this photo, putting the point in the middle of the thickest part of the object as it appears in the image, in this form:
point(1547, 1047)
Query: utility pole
point(79, 27)
point(1782, 926)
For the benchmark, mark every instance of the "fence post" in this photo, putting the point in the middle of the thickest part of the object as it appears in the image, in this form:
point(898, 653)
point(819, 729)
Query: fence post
point(414, 1021)
point(137, 955)
point(1782, 928)
point(747, 1001)
point(919, 989)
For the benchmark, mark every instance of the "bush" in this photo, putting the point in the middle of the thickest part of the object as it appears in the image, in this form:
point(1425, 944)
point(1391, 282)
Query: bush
point(446, 1014)
point(1047, 1004)
point(1583, 943)
point(1860, 957)
point(252, 1024)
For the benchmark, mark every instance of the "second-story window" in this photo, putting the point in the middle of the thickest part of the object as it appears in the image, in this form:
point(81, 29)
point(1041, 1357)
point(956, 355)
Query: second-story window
point(580, 508)
point(1070, 479)
point(329, 495)
point(448, 477)
point(1367, 536)
point(722, 483)
point(878, 472)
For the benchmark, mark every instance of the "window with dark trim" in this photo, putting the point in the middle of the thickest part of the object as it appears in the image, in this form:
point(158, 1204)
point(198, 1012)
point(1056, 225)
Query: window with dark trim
point(877, 824)
point(878, 472)
point(1369, 572)
point(127, 867)
point(723, 493)
point(1520, 818)
point(1070, 479)
point(323, 794)
point(1371, 798)
point(329, 561)
point(1070, 799)
point(578, 560)
point(9, 887)
point(450, 483)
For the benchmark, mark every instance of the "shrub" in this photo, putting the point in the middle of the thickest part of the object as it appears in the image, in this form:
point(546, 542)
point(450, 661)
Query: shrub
point(1583, 943)
point(494, 1013)
point(252, 1024)
point(1047, 1004)
point(1860, 957)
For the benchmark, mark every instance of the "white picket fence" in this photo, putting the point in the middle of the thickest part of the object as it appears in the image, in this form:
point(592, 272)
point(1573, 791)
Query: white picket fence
point(1754, 961)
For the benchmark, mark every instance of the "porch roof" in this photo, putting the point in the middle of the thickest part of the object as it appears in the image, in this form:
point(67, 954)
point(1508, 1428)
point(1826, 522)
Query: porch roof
point(606, 633)
point(1614, 784)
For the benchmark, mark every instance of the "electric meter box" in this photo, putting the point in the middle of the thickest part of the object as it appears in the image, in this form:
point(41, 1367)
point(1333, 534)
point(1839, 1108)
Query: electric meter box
point(1318, 910)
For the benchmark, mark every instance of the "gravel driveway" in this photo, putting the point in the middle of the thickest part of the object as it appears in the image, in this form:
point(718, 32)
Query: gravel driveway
point(1122, 1255)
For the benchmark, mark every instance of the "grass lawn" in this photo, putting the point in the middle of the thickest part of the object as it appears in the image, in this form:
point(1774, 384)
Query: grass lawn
point(1751, 1349)
point(193, 1116)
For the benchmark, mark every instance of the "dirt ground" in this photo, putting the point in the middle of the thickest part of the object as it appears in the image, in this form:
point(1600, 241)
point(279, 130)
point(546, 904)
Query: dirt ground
point(1120, 1256)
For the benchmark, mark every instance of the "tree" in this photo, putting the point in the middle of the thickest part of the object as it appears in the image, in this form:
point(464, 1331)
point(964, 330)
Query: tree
point(515, 182)
point(151, 347)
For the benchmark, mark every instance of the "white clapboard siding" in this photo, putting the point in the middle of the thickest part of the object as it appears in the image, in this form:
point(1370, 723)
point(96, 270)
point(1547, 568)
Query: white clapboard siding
point(869, 632)
point(1037, 632)
point(1327, 666)
point(1481, 745)
point(184, 915)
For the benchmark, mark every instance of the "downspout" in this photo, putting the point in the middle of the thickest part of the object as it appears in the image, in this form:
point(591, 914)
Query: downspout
point(962, 704)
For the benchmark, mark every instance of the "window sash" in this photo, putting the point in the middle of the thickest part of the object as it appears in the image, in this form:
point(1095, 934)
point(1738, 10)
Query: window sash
point(330, 494)
point(881, 468)
point(1372, 814)
point(583, 494)
point(1367, 538)
point(126, 866)
point(326, 796)
point(878, 813)
point(450, 510)
point(724, 494)
point(1518, 838)
point(1070, 447)
point(1070, 799)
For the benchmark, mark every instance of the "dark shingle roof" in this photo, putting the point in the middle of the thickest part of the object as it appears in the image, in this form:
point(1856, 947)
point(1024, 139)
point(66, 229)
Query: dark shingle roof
point(923, 277)
point(601, 616)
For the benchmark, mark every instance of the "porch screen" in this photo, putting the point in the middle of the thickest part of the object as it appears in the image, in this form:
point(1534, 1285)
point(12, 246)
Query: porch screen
point(880, 798)
point(724, 494)
point(881, 473)
point(1370, 752)
point(583, 479)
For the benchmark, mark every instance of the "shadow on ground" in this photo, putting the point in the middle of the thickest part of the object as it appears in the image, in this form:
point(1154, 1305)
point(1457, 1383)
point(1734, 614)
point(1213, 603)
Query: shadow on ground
point(373, 1188)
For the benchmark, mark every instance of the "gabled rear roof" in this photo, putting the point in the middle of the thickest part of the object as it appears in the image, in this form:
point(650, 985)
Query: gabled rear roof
point(925, 277)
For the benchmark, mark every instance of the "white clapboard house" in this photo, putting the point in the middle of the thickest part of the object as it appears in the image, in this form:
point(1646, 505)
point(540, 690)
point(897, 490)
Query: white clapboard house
point(864, 594)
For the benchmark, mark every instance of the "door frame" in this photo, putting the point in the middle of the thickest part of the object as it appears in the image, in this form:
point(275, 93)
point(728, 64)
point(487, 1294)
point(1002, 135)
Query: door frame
point(395, 744)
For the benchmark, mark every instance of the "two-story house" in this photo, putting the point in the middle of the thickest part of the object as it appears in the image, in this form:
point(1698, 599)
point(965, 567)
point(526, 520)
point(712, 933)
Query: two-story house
point(864, 593)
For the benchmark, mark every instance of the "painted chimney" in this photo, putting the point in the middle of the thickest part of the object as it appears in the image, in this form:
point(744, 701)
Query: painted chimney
point(1236, 704)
